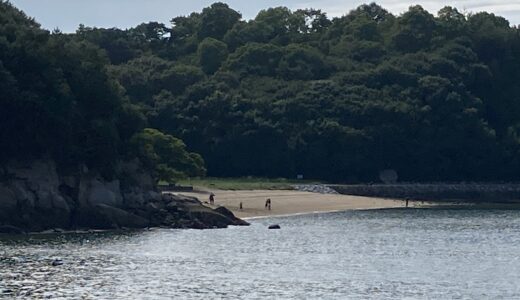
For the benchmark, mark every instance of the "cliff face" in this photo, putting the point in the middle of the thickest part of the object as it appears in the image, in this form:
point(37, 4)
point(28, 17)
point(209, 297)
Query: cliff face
point(35, 196)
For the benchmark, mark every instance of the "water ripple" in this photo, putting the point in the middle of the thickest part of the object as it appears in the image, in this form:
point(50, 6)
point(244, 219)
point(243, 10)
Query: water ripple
point(389, 254)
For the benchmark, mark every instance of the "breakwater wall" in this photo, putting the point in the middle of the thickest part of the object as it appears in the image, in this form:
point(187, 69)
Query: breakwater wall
point(439, 192)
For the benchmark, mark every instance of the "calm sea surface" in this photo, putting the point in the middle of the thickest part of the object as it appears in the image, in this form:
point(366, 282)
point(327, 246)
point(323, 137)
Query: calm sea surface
point(385, 254)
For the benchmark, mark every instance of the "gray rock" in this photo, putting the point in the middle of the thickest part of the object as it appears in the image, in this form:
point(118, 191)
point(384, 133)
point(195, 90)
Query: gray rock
point(314, 188)
point(37, 171)
point(121, 217)
point(57, 262)
point(8, 229)
point(172, 206)
point(59, 203)
point(49, 200)
point(134, 198)
point(183, 199)
point(152, 207)
point(227, 213)
point(134, 173)
point(45, 199)
point(154, 196)
point(41, 176)
point(92, 191)
point(69, 181)
point(36, 199)
point(22, 193)
point(208, 218)
point(7, 198)
point(37, 187)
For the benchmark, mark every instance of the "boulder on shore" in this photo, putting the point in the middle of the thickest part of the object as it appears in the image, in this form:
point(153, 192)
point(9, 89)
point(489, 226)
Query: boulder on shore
point(226, 212)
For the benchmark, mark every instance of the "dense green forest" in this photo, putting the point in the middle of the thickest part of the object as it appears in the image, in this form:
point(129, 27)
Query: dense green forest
point(434, 97)
point(59, 101)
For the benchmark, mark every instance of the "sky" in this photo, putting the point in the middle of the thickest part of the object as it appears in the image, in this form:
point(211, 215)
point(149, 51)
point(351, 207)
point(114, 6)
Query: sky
point(68, 14)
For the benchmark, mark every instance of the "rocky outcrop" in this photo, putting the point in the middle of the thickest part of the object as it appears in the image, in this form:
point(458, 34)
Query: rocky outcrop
point(94, 191)
point(34, 197)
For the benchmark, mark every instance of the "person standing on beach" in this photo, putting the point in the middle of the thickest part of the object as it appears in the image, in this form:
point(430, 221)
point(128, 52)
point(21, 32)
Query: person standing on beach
point(211, 198)
point(268, 203)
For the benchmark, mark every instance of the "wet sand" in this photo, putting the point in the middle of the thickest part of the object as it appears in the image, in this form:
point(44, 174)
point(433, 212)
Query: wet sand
point(285, 202)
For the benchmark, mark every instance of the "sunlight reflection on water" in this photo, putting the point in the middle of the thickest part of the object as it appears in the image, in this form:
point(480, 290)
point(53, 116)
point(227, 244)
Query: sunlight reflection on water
point(383, 254)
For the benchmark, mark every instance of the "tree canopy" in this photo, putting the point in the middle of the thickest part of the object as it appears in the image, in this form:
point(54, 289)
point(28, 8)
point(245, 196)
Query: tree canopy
point(58, 100)
point(432, 96)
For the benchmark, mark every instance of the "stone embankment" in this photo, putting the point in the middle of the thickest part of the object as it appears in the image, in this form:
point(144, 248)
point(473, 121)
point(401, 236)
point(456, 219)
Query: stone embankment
point(315, 188)
point(461, 192)
point(35, 197)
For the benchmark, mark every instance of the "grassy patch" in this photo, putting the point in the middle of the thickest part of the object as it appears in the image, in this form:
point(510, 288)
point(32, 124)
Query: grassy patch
point(245, 183)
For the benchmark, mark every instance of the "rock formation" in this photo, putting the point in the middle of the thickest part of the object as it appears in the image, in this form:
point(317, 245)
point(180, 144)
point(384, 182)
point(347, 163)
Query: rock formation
point(35, 197)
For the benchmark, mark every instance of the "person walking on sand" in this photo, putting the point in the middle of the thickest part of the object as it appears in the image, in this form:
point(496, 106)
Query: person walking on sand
point(268, 203)
point(211, 198)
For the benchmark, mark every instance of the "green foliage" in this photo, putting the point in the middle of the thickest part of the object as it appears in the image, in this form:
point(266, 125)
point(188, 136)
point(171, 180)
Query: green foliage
point(167, 155)
point(289, 92)
point(415, 30)
point(244, 183)
point(148, 75)
point(58, 100)
point(255, 59)
point(211, 54)
point(302, 63)
point(216, 20)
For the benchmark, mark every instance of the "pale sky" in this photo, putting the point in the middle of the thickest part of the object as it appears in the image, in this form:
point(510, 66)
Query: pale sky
point(68, 14)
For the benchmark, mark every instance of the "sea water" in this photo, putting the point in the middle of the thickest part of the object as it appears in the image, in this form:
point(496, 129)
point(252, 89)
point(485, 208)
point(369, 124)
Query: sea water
point(378, 254)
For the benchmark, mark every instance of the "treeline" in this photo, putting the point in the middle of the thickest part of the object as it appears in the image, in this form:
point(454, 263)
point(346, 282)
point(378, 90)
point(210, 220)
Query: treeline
point(434, 97)
point(58, 101)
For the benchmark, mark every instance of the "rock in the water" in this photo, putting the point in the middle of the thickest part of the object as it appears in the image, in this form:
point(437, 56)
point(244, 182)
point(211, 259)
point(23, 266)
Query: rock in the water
point(57, 262)
point(275, 226)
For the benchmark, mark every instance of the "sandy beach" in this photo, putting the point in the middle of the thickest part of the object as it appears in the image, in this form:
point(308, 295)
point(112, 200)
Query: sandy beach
point(287, 202)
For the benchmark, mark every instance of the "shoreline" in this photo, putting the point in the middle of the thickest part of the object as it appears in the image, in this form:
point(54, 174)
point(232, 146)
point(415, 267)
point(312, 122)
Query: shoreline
point(289, 202)
point(320, 212)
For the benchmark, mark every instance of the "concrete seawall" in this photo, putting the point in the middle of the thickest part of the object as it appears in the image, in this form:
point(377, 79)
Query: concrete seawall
point(462, 192)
